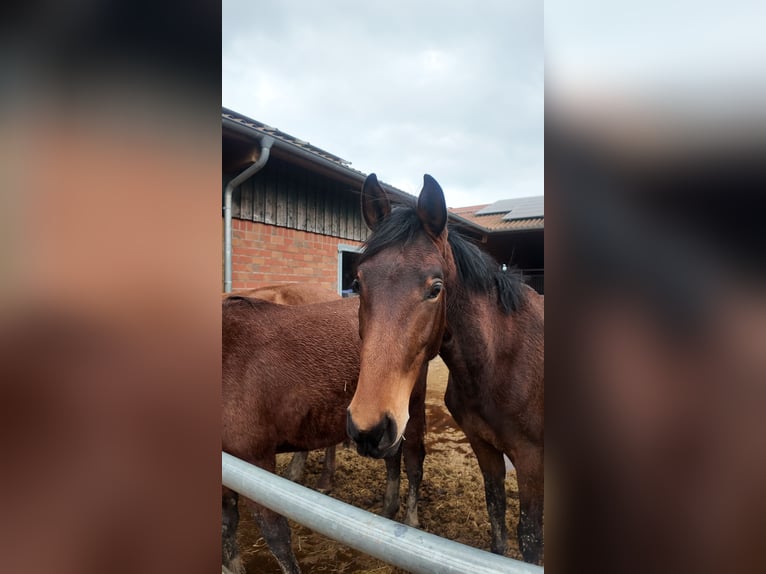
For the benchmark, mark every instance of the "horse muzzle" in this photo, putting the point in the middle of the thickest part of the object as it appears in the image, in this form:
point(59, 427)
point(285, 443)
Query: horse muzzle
point(380, 441)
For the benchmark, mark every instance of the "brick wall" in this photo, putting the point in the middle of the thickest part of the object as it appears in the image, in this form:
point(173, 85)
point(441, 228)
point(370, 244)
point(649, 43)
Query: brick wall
point(265, 254)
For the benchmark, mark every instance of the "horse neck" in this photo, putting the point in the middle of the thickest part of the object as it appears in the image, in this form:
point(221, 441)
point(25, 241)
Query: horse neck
point(474, 330)
point(468, 345)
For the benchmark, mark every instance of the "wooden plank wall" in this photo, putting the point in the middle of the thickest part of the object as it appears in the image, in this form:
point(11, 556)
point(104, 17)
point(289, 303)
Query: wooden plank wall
point(288, 196)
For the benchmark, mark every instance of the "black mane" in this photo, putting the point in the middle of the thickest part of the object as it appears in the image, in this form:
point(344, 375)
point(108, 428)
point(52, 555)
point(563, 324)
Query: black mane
point(477, 270)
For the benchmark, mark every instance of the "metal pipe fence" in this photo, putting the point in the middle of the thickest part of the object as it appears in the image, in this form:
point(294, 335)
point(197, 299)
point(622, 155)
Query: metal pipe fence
point(390, 541)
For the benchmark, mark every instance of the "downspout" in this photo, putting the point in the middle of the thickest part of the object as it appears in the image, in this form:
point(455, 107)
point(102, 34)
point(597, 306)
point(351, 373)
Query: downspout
point(266, 142)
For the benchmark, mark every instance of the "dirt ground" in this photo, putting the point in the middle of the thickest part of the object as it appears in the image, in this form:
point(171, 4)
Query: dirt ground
point(452, 501)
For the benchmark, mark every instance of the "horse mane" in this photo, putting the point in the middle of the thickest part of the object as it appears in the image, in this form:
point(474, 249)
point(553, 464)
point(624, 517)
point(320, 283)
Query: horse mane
point(478, 271)
point(253, 302)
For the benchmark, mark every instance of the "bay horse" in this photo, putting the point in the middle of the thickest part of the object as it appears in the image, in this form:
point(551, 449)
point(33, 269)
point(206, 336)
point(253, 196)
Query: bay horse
point(288, 375)
point(299, 294)
point(425, 289)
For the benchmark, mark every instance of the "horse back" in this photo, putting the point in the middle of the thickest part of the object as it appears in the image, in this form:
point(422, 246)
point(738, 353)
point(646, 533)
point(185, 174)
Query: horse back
point(285, 369)
point(276, 336)
point(291, 294)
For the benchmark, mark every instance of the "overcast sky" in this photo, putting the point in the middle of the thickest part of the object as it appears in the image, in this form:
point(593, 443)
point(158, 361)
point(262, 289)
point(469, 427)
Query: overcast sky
point(652, 44)
point(454, 89)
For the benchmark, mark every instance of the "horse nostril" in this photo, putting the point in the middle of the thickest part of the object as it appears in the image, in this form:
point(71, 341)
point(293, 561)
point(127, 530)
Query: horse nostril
point(376, 441)
point(389, 433)
point(373, 437)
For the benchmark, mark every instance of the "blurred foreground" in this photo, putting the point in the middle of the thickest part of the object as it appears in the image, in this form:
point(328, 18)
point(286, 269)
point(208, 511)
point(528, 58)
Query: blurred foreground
point(656, 335)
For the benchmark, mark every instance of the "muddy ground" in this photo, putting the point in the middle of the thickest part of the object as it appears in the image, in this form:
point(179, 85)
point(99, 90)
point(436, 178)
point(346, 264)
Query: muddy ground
point(451, 505)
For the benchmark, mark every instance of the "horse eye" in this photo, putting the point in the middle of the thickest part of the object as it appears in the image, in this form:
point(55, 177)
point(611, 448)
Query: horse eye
point(355, 285)
point(436, 288)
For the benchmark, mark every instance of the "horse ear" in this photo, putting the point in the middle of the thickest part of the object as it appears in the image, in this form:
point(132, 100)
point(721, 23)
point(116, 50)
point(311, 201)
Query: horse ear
point(375, 204)
point(432, 210)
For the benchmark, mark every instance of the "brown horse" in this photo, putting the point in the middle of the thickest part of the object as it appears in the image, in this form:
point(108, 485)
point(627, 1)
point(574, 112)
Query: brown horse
point(299, 294)
point(425, 290)
point(289, 374)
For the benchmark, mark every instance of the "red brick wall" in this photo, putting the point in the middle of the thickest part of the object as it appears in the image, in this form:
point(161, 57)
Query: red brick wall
point(265, 254)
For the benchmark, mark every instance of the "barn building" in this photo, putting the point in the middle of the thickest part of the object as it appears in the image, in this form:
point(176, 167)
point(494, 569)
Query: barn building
point(295, 213)
point(512, 231)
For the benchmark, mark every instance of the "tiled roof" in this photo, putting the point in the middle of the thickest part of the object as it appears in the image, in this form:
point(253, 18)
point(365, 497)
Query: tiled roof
point(469, 209)
point(493, 219)
point(516, 208)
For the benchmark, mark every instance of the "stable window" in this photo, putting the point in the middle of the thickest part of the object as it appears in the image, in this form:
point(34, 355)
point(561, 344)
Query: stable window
point(348, 255)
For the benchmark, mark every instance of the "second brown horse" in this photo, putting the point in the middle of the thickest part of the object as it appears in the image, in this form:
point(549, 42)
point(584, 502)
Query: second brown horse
point(289, 374)
point(299, 294)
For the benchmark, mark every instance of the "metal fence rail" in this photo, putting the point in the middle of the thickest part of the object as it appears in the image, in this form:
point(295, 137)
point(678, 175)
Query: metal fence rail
point(392, 542)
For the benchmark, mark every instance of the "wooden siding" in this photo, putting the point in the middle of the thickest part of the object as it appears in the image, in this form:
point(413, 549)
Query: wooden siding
point(288, 196)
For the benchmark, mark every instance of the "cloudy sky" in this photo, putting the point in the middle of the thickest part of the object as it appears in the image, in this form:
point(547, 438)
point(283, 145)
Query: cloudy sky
point(399, 88)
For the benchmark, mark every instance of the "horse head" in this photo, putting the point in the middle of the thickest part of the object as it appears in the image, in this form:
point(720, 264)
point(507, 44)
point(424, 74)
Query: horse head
point(401, 280)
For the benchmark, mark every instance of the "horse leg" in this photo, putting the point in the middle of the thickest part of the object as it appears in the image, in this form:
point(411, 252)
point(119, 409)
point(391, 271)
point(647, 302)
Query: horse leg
point(530, 474)
point(492, 468)
point(393, 479)
point(414, 455)
point(274, 527)
point(294, 470)
point(230, 518)
point(328, 470)
point(414, 447)
point(276, 533)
